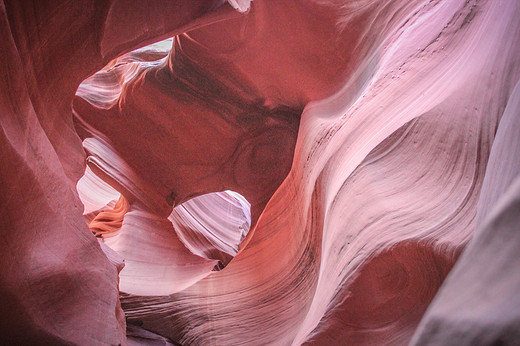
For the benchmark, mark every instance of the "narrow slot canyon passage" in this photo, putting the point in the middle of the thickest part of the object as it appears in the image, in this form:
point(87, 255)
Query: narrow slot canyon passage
point(211, 226)
point(167, 253)
point(267, 172)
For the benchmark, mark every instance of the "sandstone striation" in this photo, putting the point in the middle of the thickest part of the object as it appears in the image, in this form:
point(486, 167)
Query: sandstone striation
point(267, 173)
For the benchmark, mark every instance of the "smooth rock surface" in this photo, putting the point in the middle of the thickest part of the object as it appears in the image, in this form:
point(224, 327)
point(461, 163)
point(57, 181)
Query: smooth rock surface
point(57, 285)
point(377, 143)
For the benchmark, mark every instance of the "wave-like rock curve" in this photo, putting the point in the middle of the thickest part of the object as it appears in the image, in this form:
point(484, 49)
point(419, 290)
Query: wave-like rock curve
point(374, 141)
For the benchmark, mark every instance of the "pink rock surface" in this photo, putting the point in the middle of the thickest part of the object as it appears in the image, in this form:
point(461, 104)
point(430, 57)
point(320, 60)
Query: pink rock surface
point(214, 225)
point(487, 274)
point(57, 285)
point(373, 140)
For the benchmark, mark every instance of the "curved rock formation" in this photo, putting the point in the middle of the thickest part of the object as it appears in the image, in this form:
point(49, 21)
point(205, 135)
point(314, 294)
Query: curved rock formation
point(57, 285)
point(487, 313)
point(372, 139)
point(213, 225)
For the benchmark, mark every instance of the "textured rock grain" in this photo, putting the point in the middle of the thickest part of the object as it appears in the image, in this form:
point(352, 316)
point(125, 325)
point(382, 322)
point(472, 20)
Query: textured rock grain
point(377, 143)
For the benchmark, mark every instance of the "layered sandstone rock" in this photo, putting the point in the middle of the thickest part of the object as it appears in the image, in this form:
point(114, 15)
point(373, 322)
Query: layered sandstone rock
point(371, 139)
point(57, 285)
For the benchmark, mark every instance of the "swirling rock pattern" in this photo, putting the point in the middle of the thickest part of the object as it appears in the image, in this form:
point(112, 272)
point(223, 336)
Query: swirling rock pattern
point(57, 284)
point(374, 141)
point(213, 225)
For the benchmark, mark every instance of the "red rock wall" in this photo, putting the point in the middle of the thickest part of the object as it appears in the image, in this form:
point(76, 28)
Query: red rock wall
point(372, 139)
point(57, 285)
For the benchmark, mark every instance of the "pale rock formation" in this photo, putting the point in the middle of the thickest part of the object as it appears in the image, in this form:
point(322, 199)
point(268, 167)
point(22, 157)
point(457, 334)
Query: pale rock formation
point(94, 193)
point(213, 225)
point(478, 305)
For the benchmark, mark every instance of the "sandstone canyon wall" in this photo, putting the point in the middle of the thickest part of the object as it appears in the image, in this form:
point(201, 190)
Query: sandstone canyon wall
point(273, 173)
